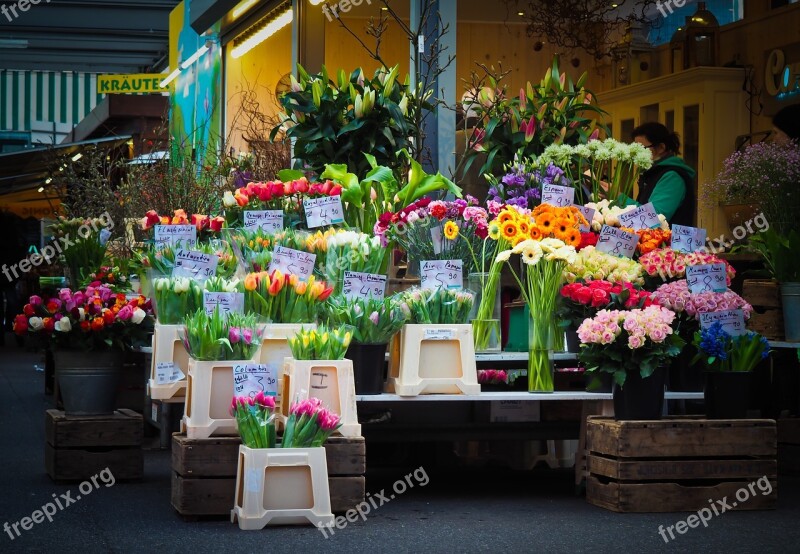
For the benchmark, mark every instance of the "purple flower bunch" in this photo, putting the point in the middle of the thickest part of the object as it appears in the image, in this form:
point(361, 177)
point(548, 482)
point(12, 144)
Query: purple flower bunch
point(522, 185)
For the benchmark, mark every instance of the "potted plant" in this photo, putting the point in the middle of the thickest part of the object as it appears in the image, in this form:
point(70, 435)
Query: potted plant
point(633, 346)
point(780, 253)
point(89, 330)
point(729, 360)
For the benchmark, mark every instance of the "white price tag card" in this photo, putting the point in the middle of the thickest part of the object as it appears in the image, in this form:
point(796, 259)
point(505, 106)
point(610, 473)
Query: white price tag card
point(195, 264)
point(437, 237)
point(617, 242)
point(226, 302)
point(687, 239)
point(294, 262)
point(323, 211)
point(170, 235)
point(556, 195)
point(706, 278)
point(250, 379)
point(439, 334)
point(643, 217)
point(588, 213)
point(363, 285)
point(448, 274)
point(269, 221)
point(732, 321)
point(168, 373)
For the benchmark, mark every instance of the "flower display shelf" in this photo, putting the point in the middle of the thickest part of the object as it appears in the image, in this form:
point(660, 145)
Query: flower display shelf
point(331, 381)
point(168, 347)
point(281, 486)
point(275, 343)
point(433, 359)
point(209, 392)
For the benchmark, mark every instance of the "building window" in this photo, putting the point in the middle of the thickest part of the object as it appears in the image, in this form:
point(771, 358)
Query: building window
point(14, 141)
point(665, 22)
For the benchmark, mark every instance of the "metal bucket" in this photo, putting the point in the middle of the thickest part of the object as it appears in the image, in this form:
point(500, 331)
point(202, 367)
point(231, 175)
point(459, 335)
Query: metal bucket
point(88, 380)
point(790, 294)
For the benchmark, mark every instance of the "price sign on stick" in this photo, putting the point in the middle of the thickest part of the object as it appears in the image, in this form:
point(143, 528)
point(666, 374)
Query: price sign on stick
point(732, 321)
point(168, 373)
point(323, 211)
point(588, 213)
point(448, 274)
point(706, 278)
point(363, 285)
point(295, 262)
point(617, 242)
point(269, 221)
point(687, 239)
point(250, 379)
point(171, 235)
point(643, 217)
point(225, 302)
point(556, 195)
point(195, 264)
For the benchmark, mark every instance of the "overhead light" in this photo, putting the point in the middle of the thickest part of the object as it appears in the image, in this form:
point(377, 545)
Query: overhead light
point(48, 180)
point(171, 77)
point(520, 13)
point(384, 9)
point(194, 57)
point(263, 34)
point(13, 43)
point(317, 2)
point(614, 5)
point(243, 7)
point(77, 157)
point(41, 189)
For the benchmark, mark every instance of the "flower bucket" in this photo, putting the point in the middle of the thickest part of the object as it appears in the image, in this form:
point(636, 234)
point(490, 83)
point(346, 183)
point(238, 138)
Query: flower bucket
point(727, 394)
point(640, 399)
point(88, 381)
point(790, 294)
point(369, 366)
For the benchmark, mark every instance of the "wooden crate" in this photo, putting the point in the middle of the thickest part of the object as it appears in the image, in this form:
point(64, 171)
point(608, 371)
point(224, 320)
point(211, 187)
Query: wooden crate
point(767, 317)
point(79, 447)
point(678, 464)
point(789, 445)
point(204, 474)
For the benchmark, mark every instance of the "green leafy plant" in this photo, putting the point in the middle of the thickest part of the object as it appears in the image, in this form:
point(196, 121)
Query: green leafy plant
point(780, 253)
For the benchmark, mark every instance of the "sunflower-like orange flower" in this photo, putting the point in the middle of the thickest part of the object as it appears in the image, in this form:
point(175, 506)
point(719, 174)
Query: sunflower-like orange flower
point(509, 230)
point(573, 238)
point(535, 233)
point(506, 216)
point(524, 227)
point(542, 209)
point(545, 221)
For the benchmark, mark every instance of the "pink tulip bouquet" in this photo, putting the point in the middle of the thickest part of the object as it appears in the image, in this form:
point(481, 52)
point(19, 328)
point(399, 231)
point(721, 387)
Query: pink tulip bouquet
point(663, 265)
point(255, 419)
point(618, 342)
point(309, 424)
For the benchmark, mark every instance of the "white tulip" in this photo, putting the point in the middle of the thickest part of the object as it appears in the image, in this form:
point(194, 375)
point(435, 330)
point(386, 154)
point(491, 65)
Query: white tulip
point(138, 316)
point(36, 323)
point(63, 325)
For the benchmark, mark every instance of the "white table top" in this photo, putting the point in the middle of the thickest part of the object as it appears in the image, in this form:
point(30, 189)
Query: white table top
point(514, 395)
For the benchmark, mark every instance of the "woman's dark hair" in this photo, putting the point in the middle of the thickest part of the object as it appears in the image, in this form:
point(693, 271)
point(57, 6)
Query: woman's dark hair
point(788, 121)
point(656, 134)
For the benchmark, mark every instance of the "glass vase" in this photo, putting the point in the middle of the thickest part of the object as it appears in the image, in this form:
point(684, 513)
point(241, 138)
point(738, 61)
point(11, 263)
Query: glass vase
point(540, 352)
point(486, 335)
point(485, 313)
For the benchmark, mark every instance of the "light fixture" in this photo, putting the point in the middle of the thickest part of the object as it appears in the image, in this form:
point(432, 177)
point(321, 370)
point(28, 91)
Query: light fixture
point(520, 14)
point(317, 2)
point(48, 181)
point(171, 77)
point(384, 9)
point(243, 7)
point(263, 34)
point(77, 157)
point(194, 57)
point(41, 189)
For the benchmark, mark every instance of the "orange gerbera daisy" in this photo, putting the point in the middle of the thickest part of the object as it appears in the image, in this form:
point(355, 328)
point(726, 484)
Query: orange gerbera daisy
point(561, 226)
point(573, 238)
point(510, 230)
point(524, 227)
point(505, 216)
point(542, 209)
point(545, 221)
point(518, 239)
point(535, 233)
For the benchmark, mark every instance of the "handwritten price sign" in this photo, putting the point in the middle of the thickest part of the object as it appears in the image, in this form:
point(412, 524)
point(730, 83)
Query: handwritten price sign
point(588, 213)
point(643, 217)
point(168, 373)
point(558, 196)
point(323, 211)
point(225, 302)
point(687, 239)
point(706, 278)
point(436, 274)
point(617, 242)
point(172, 235)
point(194, 264)
point(732, 321)
point(269, 221)
point(292, 261)
point(363, 285)
point(250, 379)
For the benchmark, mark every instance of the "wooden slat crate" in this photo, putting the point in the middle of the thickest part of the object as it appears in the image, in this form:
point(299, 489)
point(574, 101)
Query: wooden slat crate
point(767, 317)
point(204, 474)
point(79, 447)
point(676, 465)
point(789, 445)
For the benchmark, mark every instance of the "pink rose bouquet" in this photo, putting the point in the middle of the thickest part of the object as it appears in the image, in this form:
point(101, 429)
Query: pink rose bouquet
point(665, 264)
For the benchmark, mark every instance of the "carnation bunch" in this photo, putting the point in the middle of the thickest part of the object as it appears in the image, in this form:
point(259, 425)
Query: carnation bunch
point(590, 264)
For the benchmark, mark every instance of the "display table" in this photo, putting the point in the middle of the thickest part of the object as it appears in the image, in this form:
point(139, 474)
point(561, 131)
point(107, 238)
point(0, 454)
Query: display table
point(515, 396)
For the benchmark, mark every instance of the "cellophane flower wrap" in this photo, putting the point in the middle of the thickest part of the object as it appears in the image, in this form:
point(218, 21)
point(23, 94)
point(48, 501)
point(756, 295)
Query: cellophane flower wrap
point(254, 248)
point(592, 265)
point(87, 240)
point(438, 306)
point(373, 320)
point(622, 341)
point(91, 319)
point(579, 301)
point(664, 264)
point(351, 251)
point(217, 337)
point(283, 298)
point(255, 419)
point(721, 351)
point(175, 297)
point(309, 424)
point(207, 226)
point(321, 343)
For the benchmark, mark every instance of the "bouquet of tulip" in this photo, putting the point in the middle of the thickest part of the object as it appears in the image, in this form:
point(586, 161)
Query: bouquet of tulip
point(91, 319)
point(373, 321)
point(438, 306)
point(580, 301)
point(175, 297)
point(721, 351)
point(255, 419)
point(522, 182)
point(591, 264)
point(256, 246)
point(309, 424)
point(159, 259)
point(220, 337)
point(322, 343)
point(278, 298)
point(492, 377)
point(622, 341)
point(220, 284)
point(111, 277)
point(664, 264)
point(351, 251)
point(650, 239)
point(87, 241)
point(207, 226)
